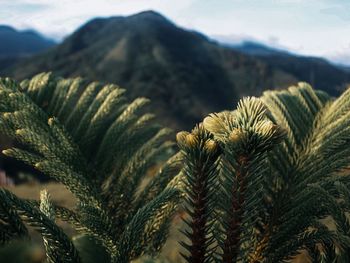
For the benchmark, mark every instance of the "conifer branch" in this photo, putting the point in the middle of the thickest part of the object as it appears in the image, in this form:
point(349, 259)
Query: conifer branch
point(92, 134)
point(201, 155)
point(61, 248)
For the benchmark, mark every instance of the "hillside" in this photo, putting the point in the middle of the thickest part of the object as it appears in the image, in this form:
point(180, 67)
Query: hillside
point(18, 44)
point(317, 71)
point(186, 74)
point(252, 48)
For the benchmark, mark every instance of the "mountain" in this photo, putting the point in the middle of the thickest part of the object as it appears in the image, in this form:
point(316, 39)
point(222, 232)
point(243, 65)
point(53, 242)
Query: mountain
point(318, 72)
point(186, 74)
point(21, 43)
point(18, 44)
point(345, 68)
point(254, 48)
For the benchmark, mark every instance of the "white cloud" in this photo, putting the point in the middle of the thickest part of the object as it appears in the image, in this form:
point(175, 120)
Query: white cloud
point(59, 18)
point(341, 56)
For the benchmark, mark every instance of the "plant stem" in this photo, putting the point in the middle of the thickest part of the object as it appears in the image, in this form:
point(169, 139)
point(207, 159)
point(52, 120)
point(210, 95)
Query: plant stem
point(231, 243)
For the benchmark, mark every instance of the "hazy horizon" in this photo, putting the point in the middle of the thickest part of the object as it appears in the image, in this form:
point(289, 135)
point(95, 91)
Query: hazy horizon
point(314, 28)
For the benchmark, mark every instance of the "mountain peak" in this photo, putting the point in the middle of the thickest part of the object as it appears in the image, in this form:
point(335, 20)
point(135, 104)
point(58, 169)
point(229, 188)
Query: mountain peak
point(150, 13)
point(118, 23)
point(185, 74)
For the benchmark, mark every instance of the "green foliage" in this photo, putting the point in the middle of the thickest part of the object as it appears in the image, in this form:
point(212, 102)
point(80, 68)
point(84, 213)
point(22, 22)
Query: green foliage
point(89, 138)
point(283, 169)
point(260, 181)
point(201, 153)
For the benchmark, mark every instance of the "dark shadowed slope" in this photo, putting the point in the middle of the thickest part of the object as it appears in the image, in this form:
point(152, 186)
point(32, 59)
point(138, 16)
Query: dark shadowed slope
point(184, 73)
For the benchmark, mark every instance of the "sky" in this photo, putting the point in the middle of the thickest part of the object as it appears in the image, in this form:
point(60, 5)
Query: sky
point(307, 27)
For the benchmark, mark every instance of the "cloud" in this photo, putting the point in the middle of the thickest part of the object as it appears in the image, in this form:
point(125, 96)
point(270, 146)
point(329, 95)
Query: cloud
point(341, 56)
point(59, 18)
point(338, 12)
point(338, 8)
point(234, 39)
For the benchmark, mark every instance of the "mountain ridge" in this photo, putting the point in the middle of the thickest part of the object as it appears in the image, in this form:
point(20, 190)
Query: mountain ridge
point(183, 72)
point(24, 42)
point(15, 45)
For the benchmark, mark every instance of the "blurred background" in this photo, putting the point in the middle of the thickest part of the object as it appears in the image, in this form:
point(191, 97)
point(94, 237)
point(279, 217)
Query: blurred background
point(190, 57)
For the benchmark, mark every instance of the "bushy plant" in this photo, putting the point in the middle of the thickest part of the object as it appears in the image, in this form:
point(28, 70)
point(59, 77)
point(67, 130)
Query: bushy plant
point(257, 182)
point(261, 179)
point(89, 138)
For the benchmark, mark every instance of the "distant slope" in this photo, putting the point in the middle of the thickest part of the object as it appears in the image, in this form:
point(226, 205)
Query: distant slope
point(317, 71)
point(255, 48)
point(18, 44)
point(184, 73)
